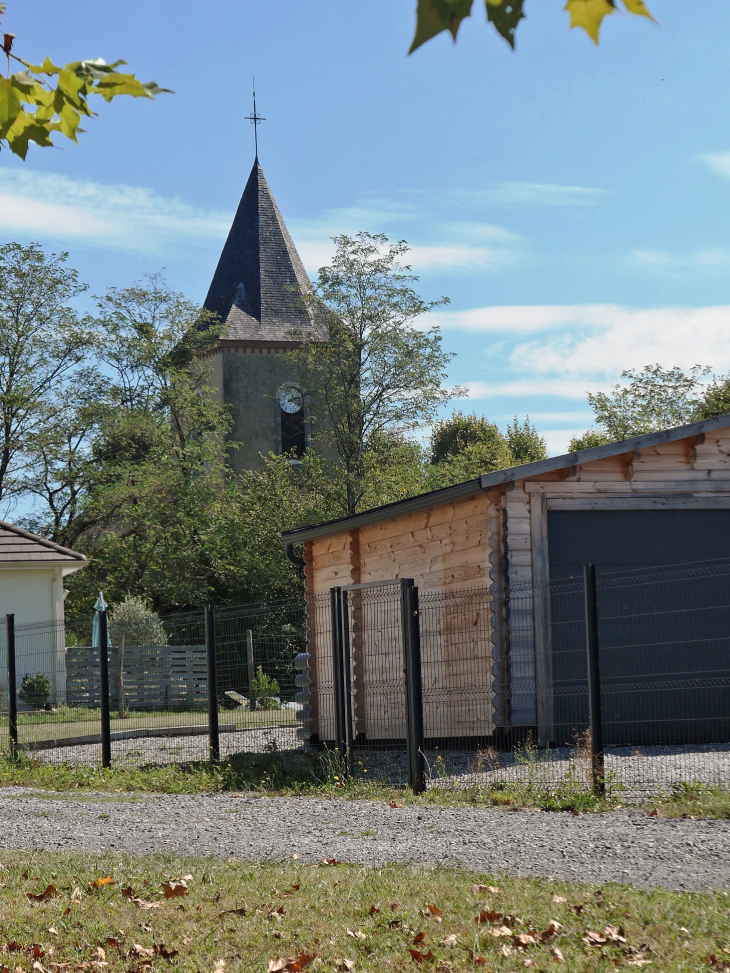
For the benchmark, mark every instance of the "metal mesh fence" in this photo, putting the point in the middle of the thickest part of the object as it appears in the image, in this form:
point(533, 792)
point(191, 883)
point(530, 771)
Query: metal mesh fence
point(158, 686)
point(503, 697)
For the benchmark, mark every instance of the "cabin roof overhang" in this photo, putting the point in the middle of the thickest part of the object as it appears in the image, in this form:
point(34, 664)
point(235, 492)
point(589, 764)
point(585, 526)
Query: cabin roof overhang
point(500, 478)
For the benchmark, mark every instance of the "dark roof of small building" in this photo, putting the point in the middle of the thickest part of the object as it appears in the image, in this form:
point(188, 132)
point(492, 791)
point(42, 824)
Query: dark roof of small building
point(20, 545)
point(259, 283)
point(489, 480)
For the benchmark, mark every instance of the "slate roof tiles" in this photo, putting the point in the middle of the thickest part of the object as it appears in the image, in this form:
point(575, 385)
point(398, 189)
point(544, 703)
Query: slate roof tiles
point(260, 280)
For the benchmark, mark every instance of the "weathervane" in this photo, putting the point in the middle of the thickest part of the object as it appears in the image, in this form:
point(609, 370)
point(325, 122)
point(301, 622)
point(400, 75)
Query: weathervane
point(255, 118)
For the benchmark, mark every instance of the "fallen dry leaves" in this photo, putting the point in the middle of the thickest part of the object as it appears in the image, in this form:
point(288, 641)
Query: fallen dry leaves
point(295, 965)
point(99, 883)
point(610, 935)
point(176, 888)
point(48, 893)
point(419, 957)
point(128, 893)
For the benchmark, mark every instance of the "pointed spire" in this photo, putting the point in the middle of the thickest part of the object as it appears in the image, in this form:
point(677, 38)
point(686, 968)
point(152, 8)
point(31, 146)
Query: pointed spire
point(259, 283)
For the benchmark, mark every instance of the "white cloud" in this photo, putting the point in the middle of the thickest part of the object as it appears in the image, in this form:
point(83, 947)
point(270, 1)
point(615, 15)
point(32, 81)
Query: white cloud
point(460, 246)
point(719, 162)
point(526, 386)
point(564, 351)
point(558, 439)
point(539, 194)
point(522, 317)
point(118, 217)
point(455, 257)
point(660, 262)
point(585, 416)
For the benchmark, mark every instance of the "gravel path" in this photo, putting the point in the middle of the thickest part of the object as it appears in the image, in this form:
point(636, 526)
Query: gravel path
point(622, 846)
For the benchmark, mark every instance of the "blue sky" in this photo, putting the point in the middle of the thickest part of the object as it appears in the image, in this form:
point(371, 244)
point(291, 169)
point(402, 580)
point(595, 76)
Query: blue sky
point(572, 201)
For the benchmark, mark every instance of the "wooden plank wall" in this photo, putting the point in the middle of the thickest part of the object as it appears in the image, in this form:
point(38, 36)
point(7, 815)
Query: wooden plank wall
point(329, 562)
point(444, 549)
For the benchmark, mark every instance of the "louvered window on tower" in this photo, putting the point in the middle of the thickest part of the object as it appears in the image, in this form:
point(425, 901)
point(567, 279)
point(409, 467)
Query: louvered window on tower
point(292, 420)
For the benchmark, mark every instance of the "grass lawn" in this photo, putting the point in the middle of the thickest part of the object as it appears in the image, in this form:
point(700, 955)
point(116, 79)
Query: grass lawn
point(314, 774)
point(69, 722)
point(63, 912)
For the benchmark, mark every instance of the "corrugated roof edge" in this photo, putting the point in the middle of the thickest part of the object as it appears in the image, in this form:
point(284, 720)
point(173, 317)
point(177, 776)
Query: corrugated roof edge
point(489, 480)
point(44, 542)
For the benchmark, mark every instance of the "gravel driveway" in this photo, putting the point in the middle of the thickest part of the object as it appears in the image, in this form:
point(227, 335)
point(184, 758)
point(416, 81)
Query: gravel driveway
point(621, 846)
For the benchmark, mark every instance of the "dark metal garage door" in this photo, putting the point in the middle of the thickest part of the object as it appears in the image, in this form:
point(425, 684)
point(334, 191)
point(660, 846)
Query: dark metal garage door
point(665, 642)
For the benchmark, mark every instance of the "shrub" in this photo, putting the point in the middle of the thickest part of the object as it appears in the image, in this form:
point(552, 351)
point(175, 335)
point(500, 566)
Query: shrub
point(264, 691)
point(36, 690)
point(133, 620)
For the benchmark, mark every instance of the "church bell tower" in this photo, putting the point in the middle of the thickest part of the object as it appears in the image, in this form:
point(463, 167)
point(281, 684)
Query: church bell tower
point(258, 290)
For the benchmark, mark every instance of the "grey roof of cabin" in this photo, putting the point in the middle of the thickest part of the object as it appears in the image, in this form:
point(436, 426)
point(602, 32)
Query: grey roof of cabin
point(489, 480)
point(259, 282)
point(20, 545)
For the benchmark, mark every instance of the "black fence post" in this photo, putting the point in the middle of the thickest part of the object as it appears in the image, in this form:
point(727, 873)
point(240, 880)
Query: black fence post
point(347, 683)
point(414, 690)
point(338, 678)
point(12, 686)
point(106, 730)
point(594, 680)
point(213, 737)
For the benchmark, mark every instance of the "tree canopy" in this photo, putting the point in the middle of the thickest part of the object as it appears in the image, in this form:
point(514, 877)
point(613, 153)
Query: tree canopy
point(45, 98)
point(655, 398)
point(376, 373)
point(435, 16)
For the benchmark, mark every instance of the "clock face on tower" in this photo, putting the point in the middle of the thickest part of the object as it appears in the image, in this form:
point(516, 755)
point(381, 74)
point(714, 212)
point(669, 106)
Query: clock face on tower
point(290, 399)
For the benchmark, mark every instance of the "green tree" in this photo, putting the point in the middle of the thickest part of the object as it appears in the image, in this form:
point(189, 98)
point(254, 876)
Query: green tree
point(376, 373)
point(465, 446)
point(44, 98)
point(59, 470)
point(525, 442)
point(158, 474)
point(655, 398)
point(589, 439)
point(715, 401)
point(435, 16)
point(42, 348)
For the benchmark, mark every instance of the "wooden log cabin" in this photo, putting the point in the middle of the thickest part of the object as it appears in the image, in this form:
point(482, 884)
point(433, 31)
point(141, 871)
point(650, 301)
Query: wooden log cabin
point(653, 501)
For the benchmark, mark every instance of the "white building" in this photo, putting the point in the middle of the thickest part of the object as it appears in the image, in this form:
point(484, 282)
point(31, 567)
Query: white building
point(32, 571)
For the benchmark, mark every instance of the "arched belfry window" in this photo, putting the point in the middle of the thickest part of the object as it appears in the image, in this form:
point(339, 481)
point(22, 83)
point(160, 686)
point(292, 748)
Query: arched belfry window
point(292, 420)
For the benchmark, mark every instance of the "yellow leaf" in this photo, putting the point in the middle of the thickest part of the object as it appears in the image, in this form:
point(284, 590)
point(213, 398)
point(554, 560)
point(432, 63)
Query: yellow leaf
point(588, 14)
point(639, 8)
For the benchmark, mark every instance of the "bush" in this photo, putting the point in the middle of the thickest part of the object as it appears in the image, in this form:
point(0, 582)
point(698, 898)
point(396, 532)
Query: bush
point(264, 692)
point(137, 623)
point(36, 690)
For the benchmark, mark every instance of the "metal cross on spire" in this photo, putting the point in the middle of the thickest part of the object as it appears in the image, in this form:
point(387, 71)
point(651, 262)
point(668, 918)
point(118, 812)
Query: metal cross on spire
point(256, 119)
